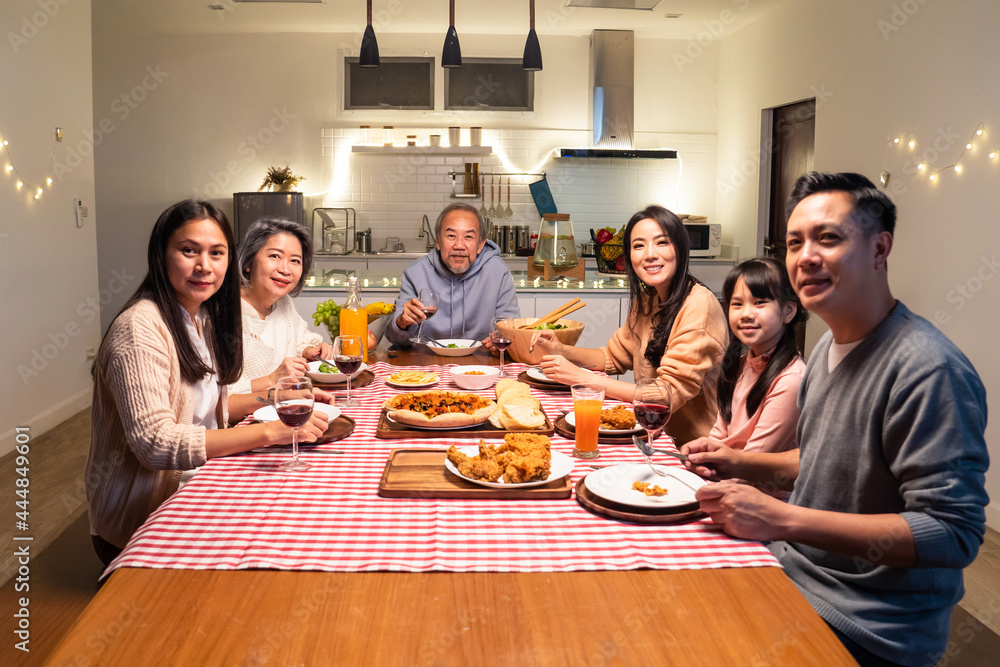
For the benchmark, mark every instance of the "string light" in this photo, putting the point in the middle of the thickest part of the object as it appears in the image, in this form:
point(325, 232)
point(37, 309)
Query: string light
point(924, 167)
point(20, 183)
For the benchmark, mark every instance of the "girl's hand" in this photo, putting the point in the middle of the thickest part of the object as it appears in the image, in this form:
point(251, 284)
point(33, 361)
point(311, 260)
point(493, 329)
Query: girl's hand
point(321, 396)
point(546, 341)
point(711, 459)
point(562, 370)
point(294, 367)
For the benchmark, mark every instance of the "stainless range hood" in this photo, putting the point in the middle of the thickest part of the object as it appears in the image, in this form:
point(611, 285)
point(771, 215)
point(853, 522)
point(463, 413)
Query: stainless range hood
point(613, 64)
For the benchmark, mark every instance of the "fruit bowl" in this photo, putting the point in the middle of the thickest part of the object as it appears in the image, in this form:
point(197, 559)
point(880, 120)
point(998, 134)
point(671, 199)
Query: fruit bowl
point(521, 338)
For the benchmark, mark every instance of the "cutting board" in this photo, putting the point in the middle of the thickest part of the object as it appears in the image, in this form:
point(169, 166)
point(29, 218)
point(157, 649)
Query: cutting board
point(418, 472)
point(391, 430)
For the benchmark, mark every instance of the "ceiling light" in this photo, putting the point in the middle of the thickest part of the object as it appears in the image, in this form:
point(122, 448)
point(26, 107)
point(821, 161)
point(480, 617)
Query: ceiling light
point(369, 45)
point(451, 55)
point(532, 59)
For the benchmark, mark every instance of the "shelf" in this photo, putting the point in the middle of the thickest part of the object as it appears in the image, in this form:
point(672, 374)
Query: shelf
point(425, 150)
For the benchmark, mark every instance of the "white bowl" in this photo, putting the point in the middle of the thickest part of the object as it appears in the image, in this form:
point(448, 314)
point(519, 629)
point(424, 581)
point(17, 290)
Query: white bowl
point(330, 378)
point(464, 349)
point(460, 374)
point(269, 414)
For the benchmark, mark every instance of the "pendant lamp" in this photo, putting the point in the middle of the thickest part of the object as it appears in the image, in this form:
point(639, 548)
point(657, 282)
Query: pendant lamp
point(532, 60)
point(451, 56)
point(369, 45)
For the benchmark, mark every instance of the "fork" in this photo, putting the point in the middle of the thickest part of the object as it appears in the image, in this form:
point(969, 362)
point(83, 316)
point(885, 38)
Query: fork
point(648, 451)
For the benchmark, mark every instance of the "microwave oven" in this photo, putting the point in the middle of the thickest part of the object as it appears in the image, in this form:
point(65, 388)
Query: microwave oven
point(705, 238)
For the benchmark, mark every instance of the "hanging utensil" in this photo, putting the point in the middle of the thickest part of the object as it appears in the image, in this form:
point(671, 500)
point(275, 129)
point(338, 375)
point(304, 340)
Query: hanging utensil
point(508, 212)
point(482, 191)
point(492, 209)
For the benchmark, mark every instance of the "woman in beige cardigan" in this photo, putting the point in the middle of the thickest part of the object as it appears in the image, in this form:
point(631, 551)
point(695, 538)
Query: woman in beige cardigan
point(160, 406)
point(675, 330)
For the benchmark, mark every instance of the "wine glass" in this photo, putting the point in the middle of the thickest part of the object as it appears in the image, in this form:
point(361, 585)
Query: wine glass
point(293, 399)
point(652, 408)
point(347, 356)
point(429, 300)
point(500, 342)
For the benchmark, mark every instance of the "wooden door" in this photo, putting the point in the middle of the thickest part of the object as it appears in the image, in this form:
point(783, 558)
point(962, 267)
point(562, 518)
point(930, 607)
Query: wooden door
point(792, 133)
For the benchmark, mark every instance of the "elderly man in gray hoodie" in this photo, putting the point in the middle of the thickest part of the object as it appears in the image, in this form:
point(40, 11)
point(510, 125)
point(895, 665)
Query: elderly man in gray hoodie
point(465, 269)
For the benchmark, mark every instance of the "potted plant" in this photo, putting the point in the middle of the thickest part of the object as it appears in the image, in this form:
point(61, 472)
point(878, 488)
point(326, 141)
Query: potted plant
point(280, 180)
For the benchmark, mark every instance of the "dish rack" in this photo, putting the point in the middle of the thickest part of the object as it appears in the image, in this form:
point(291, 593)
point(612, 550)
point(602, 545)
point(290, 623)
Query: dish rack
point(336, 237)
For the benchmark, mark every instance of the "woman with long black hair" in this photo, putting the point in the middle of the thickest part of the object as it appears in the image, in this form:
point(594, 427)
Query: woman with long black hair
point(675, 330)
point(160, 404)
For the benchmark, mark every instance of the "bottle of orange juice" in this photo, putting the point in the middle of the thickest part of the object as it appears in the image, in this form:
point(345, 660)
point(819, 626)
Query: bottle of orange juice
point(353, 316)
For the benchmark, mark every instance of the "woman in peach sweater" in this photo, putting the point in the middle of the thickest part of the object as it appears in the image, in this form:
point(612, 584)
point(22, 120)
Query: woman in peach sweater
point(160, 404)
point(675, 330)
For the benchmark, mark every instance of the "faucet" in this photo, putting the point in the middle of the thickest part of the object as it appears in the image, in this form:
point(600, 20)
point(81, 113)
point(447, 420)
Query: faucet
point(426, 233)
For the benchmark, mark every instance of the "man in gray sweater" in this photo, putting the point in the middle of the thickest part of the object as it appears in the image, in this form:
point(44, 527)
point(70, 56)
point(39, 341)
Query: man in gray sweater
point(888, 492)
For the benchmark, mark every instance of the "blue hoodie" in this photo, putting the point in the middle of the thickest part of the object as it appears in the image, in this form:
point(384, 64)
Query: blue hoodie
point(469, 302)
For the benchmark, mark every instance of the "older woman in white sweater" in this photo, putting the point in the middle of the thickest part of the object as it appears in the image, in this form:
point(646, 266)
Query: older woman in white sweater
point(274, 259)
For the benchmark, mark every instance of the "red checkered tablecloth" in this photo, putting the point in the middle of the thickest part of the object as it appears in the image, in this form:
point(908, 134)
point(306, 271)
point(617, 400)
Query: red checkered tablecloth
point(242, 512)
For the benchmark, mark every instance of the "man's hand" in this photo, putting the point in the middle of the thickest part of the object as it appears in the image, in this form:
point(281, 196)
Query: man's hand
point(560, 369)
point(743, 511)
point(711, 459)
point(412, 314)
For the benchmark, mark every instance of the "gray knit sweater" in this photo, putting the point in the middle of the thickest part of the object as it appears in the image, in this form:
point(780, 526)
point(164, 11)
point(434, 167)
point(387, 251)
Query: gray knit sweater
point(897, 427)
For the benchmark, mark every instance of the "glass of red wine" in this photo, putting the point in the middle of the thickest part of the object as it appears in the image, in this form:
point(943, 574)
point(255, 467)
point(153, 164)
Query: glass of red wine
point(429, 305)
point(500, 342)
point(293, 399)
point(347, 356)
point(652, 405)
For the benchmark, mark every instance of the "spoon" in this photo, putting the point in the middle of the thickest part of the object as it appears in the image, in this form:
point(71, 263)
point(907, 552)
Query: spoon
point(482, 191)
point(508, 212)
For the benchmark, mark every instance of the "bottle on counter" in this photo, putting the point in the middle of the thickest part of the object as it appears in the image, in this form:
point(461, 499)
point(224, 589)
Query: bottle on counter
point(354, 317)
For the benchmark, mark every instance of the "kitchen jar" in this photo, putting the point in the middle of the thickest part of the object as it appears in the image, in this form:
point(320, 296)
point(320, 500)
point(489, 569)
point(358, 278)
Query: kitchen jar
point(475, 136)
point(454, 136)
point(555, 241)
point(388, 135)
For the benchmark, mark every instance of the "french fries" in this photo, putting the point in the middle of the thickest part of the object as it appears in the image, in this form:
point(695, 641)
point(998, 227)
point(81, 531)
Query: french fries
point(413, 377)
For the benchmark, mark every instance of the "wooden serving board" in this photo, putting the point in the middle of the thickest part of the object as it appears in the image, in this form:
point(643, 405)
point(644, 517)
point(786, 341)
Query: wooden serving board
point(339, 428)
point(365, 378)
point(566, 430)
point(391, 430)
point(598, 505)
point(418, 472)
point(538, 384)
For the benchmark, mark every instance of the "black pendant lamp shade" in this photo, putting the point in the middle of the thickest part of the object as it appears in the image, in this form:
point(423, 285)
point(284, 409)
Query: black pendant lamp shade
point(369, 45)
point(532, 60)
point(451, 55)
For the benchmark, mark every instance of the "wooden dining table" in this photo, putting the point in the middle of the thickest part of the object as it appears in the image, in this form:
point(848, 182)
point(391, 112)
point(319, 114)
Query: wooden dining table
point(710, 616)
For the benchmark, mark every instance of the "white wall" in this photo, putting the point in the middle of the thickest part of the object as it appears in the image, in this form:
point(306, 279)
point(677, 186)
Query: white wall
point(224, 107)
point(49, 265)
point(878, 71)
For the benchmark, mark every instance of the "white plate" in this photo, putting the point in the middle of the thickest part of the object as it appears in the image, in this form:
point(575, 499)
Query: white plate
point(561, 466)
point(330, 378)
point(269, 414)
point(571, 420)
point(536, 373)
point(614, 483)
point(438, 428)
point(403, 385)
point(466, 347)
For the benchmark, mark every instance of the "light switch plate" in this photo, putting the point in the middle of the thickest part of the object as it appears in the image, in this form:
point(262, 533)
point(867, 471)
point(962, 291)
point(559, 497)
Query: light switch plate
point(79, 211)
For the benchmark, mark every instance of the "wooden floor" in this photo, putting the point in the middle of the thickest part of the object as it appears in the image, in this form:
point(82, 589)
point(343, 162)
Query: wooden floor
point(64, 569)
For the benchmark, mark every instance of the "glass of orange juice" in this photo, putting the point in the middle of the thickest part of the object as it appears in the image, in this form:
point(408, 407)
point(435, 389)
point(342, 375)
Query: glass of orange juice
point(587, 400)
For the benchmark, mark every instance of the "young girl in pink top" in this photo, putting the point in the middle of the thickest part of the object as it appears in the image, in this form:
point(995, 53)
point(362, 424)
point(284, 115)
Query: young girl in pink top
point(758, 390)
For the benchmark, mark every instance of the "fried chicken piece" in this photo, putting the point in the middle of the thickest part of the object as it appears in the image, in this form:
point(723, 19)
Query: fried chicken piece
point(617, 418)
point(475, 467)
point(649, 489)
point(525, 457)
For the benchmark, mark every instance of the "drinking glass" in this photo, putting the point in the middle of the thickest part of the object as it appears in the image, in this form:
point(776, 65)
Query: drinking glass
point(652, 406)
point(429, 299)
point(587, 400)
point(293, 399)
point(500, 342)
point(347, 356)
